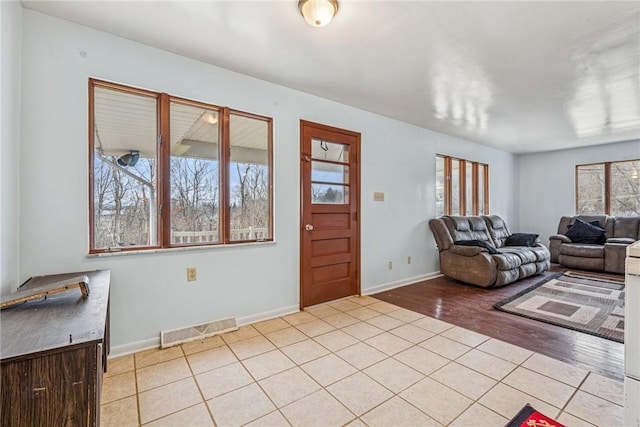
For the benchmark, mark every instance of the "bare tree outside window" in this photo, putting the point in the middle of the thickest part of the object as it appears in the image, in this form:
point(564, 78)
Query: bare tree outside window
point(611, 188)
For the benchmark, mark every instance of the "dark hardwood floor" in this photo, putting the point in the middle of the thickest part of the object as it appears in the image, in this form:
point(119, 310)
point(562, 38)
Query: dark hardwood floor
point(471, 307)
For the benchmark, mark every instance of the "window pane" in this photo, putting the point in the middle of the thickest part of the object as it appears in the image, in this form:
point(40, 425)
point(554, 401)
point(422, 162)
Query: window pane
point(329, 194)
point(249, 178)
point(591, 189)
point(469, 188)
point(124, 169)
point(439, 186)
point(329, 172)
point(325, 150)
point(625, 188)
point(194, 175)
point(455, 187)
point(481, 190)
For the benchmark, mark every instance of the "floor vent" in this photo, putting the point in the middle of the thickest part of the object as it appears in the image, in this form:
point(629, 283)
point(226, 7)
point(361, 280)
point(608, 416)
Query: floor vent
point(196, 332)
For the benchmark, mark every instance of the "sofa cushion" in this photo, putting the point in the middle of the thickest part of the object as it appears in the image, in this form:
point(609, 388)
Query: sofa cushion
point(582, 250)
point(521, 239)
point(626, 227)
point(507, 260)
point(467, 228)
point(584, 232)
point(481, 243)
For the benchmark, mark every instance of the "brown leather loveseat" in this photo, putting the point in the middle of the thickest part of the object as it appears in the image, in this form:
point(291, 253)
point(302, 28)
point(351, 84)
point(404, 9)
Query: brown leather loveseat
point(466, 243)
point(606, 254)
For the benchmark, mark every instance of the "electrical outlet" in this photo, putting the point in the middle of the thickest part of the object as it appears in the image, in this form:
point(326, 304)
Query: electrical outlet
point(408, 260)
point(390, 265)
point(191, 274)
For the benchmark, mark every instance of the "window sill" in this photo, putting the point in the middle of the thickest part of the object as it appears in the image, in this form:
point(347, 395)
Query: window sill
point(180, 249)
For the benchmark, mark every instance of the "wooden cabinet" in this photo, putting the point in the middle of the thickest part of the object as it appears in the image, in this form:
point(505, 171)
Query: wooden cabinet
point(53, 353)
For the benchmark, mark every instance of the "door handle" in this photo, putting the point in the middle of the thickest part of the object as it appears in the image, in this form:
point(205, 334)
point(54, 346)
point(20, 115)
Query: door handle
point(308, 227)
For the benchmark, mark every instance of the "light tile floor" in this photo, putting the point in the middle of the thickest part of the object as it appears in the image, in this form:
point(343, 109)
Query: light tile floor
point(355, 362)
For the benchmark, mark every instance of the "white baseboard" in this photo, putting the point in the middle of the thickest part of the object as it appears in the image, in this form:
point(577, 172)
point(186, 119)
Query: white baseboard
point(151, 343)
point(404, 282)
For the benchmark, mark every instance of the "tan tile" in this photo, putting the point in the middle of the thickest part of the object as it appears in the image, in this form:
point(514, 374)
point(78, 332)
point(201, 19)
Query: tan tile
point(118, 386)
point(393, 375)
point(471, 417)
point(274, 419)
point(162, 373)
point(322, 311)
point(359, 393)
point(397, 412)
point(385, 322)
point(304, 412)
point(285, 337)
point(465, 336)
point(243, 333)
point(364, 300)
point(356, 423)
point(340, 320)
point(151, 357)
point(335, 340)
point(119, 365)
point(315, 328)
point(434, 399)
point(345, 305)
point(211, 359)
point(288, 386)
point(304, 351)
point(195, 416)
point(570, 420)
point(605, 388)
point(445, 347)
point(202, 345)
point(537, 385)
point(121, 413)
point(487, 364)
point(251, 347)
point(383, 307)
point(421, 360)
point(270, 325)
point(361, 355)
point(432, 325)
point(405, 315)
point(464, 380)
point(240, 406)
point(363, 313)
point(328, 369)
point(388, 343)
point(222, 380)
point(298, 318)
point(595, 410)
point(508, 401)
point(506, 351)
point(159, 402)
point(267, 364)
point(556, 369)
point(411, 333)
point(362, 330)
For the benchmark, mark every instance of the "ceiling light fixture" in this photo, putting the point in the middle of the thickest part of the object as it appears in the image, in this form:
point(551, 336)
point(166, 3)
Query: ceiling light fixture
point(318, 13)
point(129, 159)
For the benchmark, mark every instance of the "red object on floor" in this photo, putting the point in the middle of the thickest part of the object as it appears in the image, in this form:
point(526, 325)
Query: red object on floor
point(529, 417)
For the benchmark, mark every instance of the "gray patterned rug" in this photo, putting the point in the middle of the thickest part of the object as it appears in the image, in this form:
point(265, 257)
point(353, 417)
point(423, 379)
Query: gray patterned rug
point(592, 304)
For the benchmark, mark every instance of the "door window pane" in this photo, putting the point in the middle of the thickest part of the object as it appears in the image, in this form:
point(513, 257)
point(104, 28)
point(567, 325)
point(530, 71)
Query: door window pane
point(625, 188)
point(591, 185)
point(332, 194)
point(194, 175)
point(329, 172)
point(324, 150)
point(440, 190)
point(124, 169)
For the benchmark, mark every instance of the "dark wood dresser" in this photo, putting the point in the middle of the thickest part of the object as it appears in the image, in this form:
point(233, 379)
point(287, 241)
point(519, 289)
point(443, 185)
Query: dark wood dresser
point(53, 353)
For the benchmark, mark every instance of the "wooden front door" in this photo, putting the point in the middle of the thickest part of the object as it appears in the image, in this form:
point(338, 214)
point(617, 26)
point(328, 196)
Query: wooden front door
point(330, 223)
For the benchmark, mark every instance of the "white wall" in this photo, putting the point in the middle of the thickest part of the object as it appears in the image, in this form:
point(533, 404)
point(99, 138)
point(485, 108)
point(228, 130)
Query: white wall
point(10, 48)
point(547, 183)
point(149, 292)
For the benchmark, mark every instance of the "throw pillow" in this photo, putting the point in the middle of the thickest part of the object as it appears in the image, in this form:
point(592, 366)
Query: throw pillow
point(521, 239)
point(585, 232)
point(481, 243)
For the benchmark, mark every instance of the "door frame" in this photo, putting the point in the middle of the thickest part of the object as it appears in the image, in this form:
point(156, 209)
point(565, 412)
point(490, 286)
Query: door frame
point(355, 170)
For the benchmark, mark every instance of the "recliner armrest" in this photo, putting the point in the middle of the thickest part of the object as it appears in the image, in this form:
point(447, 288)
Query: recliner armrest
point(467, 250)
point(561, 237)
point(622, 240)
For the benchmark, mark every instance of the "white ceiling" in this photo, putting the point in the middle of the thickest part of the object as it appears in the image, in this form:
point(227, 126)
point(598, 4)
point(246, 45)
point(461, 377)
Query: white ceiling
point(518, 76)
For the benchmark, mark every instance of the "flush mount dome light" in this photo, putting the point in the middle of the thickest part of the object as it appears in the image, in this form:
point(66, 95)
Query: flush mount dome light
point(129, 159)
point(318, 13)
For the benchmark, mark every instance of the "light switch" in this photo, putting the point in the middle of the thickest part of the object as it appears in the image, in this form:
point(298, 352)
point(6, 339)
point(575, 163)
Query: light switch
point(378, 197)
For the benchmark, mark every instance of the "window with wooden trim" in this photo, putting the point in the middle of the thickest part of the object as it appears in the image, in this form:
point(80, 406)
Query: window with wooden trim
point(611, 188)
point(168, 172)
point(462, 187)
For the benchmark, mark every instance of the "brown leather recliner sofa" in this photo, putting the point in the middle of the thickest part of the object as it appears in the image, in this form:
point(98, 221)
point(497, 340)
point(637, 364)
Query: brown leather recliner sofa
point(607, 255)
point(475, 264)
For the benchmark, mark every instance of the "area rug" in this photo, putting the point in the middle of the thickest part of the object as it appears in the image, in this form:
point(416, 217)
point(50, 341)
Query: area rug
point(582, 302)
point(528, 417)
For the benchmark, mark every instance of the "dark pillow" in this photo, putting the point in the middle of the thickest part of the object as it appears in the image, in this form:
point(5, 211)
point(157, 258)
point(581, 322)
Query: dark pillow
point(481, 243)
point(521, 239)
point(585, 232)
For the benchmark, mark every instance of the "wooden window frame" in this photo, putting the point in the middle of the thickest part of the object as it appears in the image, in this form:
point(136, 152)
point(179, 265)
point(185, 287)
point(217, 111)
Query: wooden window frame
point(163, 179)
point(462, 179)
point(607, 182)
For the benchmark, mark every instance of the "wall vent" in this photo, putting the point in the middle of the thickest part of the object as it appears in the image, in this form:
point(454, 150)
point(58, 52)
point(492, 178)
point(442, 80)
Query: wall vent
point(196, 332)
